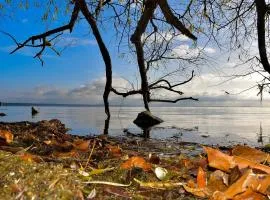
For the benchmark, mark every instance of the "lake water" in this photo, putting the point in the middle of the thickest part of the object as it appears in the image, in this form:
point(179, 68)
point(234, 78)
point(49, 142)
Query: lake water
point(209, 125)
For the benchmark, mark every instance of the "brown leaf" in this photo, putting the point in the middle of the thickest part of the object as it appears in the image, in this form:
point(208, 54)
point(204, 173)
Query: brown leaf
point(244, 163)
point(114, 150)
point(7, 135)
point(234, 175)
point(154, 159)
point(250, 195)
point(201, 178)
point(218, 196)
point(219, 160)
point(82, 145)
point(218, 181)
point(136, 161)
point(30, 157)
point(249, 180)
point(70, 154)
point(225, 162)
point(250, 154)
point(120, 192)
point(15, 188)
point(200, 192)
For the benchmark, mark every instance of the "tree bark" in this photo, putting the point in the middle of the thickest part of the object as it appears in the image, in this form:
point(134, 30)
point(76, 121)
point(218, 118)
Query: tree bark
point(106, 58)
point(261, 9)
point(150, 7)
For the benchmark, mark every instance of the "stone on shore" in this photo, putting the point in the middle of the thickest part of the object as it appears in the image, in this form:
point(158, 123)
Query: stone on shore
point(145, 119)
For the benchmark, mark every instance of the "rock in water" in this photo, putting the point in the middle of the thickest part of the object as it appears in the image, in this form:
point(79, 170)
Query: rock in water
point(34, 111)
point(2, 115)
point(145, 119)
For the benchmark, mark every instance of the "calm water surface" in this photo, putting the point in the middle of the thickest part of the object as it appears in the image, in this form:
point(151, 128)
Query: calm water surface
point(210, 125)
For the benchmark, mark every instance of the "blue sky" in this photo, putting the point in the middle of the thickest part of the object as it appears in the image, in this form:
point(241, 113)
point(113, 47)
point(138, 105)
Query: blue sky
point(77, 76)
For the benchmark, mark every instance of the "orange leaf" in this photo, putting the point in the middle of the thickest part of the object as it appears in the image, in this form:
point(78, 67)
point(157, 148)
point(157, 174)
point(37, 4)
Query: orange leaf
point(250, 195)
point(244, 163)
point(115, 150)
point(219, 160)
point(7, 135)
point(250, 154)
point(82, 145)
point(138, 162)
point(72, 153)
point(225, 162)
point(201, 178)
point(200, 192)
point(217, 195)
point(256, 182)
point(30, 157)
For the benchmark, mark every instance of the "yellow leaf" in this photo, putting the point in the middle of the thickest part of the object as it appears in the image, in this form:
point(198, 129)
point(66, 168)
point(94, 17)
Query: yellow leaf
point(158, 185)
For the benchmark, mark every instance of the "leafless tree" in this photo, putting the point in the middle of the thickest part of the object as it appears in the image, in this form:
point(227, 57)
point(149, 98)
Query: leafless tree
point(142, 26)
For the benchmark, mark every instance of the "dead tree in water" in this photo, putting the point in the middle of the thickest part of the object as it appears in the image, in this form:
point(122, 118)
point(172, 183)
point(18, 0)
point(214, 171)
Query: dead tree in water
point(145, 17)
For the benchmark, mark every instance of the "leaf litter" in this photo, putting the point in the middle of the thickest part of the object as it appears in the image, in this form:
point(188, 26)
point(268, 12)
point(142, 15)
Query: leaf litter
point(41, 161)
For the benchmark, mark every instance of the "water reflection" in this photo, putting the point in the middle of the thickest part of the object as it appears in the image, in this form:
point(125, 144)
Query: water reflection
point(229, 124)
point(261, 138)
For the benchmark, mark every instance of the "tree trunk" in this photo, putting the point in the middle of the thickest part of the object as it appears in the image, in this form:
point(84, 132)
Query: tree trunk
point(261, 11)
point(150, 6)
point(106, 58)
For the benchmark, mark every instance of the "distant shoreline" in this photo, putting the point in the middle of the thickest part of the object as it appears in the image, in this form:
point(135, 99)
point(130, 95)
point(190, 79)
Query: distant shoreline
point(50, 105)
point(3, 104)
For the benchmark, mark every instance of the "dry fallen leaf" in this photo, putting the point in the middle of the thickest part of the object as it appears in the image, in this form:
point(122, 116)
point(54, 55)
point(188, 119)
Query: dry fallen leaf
point(224, 162)
point(201, 178)
point(250, 195)
point(200, 192)
point(82, 145)
point(114, 150)
point(244, 163)
point(138, 162)
point(218, 181)
point(257, 182)
point(7, 135)
point(219, 160)
point(30, 157)
point(250, 154)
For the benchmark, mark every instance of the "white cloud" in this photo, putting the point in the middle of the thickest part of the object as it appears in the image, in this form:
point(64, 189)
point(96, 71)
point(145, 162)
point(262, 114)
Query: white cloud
point(68, 41)
point(209, 50)
point(205, 87)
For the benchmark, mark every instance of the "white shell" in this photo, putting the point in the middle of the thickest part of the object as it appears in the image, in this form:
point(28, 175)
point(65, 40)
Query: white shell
point(161, 173)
